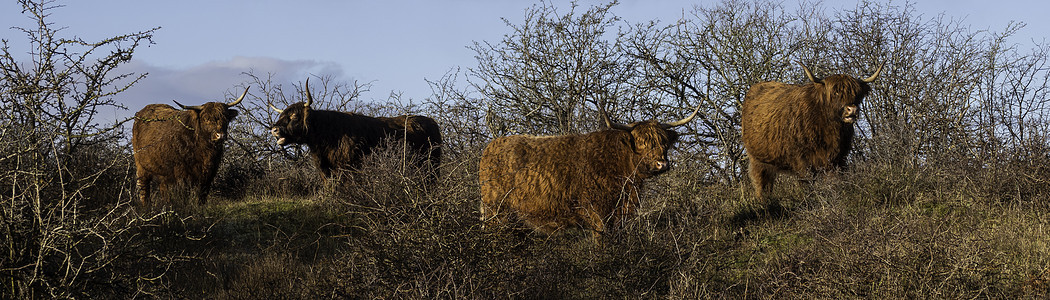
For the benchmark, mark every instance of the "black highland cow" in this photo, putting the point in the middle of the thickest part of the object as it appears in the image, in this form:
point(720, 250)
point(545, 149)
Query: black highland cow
point(339, 140)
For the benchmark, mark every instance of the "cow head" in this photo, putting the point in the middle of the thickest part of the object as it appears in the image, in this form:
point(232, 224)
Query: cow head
point(843, 93)
point(213, 118)
point(291, 125)
point(651, 140)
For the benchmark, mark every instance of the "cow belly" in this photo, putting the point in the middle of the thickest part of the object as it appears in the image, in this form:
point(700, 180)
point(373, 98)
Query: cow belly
point(529, 196)
point(517, 184)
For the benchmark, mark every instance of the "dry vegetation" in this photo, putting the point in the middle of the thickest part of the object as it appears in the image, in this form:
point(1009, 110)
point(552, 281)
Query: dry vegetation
point(947, 194)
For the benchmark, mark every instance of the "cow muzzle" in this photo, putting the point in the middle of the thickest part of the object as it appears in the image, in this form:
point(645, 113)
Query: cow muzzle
point(276, 132)
point(850, 114)
point(660, 166)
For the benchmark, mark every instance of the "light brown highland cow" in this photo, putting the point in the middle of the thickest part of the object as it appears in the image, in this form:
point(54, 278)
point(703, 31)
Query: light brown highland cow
point(586, 181)
point(800, 129)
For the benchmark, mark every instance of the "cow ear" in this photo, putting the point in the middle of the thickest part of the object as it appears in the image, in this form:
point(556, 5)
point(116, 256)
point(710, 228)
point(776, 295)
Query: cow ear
point(826, 97)
point(231, 113)
point(633, 141)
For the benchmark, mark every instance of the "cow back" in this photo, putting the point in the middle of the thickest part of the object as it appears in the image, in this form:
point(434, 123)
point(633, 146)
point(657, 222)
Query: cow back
point(421, 133)
point(339, 140)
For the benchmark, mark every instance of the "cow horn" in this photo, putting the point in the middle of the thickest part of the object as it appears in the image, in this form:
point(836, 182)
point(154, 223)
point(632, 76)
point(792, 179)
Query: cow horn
point(278, 110)
point(195, 107)
point(609, 123)
point(238, 101)
point(683, 121)
point(872, 78)
point(309, 98)
point(808, 74)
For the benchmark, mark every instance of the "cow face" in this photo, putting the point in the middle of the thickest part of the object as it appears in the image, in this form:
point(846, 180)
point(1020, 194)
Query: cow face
point(215, 119)
point(844, 94)
point(652, 141)
point(291, 126)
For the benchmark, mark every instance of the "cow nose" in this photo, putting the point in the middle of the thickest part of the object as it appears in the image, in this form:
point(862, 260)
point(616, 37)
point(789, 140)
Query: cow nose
point(850, 111)
point(274, 131)
point(219, 136)
point(661, 165)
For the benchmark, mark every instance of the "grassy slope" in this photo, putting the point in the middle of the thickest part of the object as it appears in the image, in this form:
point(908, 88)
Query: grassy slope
point(866, 235)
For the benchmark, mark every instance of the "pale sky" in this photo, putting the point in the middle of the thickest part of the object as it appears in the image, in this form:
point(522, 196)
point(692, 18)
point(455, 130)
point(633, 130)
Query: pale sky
point(204, 46)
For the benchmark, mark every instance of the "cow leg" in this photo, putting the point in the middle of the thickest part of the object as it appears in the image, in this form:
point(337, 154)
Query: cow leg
point(487, 215)
point(143, 184)
point(763, 176)
point(491, 216)
point(596, 223)
point(204, 186)
point(326, 173)
point(202, 192)
point(164, 190)
point(429, 168)
point(433, 162)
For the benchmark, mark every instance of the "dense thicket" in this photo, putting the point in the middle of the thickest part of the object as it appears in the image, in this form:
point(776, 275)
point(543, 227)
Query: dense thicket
point(65, 183)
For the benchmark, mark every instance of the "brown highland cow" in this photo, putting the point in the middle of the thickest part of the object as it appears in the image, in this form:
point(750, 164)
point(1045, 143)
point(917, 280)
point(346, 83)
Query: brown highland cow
point(582, 180)
point(339, 140)
point(180, 146)
point(800, 129)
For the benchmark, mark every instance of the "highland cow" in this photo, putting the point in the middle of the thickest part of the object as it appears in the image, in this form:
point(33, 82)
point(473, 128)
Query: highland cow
point(800, 130)
point(340, 140)
point(180, 146)
point(586, 181)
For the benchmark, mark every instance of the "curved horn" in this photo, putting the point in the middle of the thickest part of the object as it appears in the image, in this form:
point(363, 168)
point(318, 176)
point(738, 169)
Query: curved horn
point(309, 98)
point(683, 121)
point(278, 110)
point(195, 107)
point(238, 101)
point(872, 78)
point(808, 74)
point(609, 123)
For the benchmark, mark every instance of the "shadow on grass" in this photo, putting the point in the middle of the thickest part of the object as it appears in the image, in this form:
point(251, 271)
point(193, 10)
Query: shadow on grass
point(232, 246)
point(770, 212)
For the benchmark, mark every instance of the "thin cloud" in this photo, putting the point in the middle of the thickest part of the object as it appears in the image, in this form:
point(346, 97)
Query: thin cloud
point(210, 81)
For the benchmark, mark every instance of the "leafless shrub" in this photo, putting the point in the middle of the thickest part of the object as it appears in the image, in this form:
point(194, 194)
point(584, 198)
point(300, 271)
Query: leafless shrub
point(945, 196)
point(460, 113)
point(64, 220)
point(541, 77)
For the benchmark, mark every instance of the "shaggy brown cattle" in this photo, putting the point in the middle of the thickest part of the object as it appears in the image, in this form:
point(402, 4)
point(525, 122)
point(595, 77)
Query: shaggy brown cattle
point(339, 140)
point(800, 129)
point(583, 180)
point(183, 146)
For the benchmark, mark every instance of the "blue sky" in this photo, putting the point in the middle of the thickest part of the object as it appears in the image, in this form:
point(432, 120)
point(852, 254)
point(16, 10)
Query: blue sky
point(204, 46)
